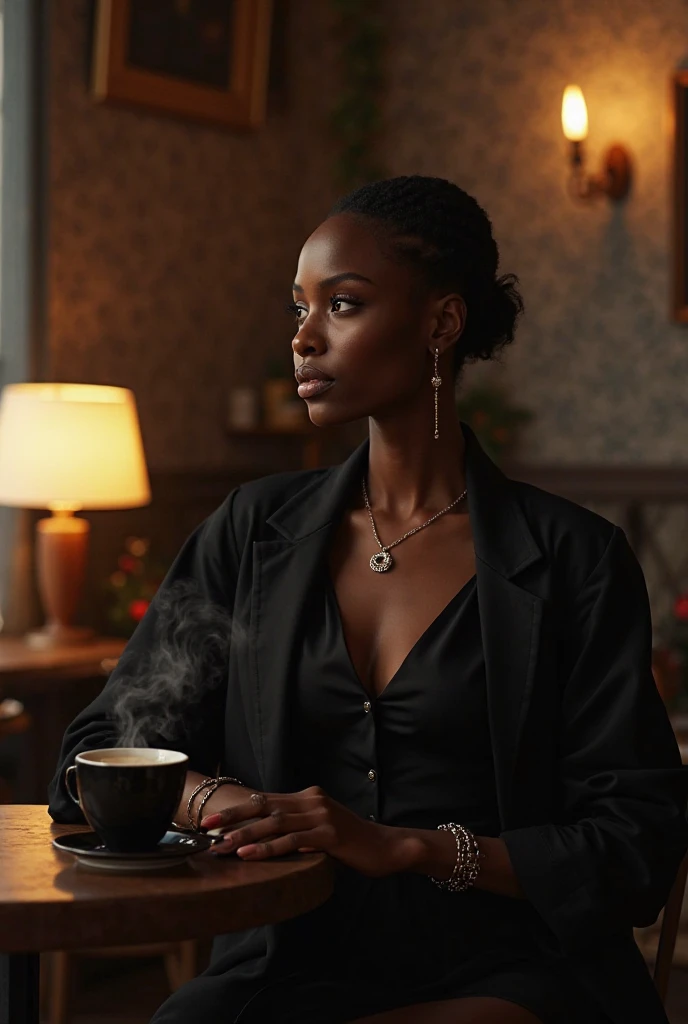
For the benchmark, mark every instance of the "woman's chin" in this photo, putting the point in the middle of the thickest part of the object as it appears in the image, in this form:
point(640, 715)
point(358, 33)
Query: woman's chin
point(324, 414)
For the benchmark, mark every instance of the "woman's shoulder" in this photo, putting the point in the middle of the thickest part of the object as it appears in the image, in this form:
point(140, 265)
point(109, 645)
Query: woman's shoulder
point(574, 538)
point(253, 502)
point(558, 512)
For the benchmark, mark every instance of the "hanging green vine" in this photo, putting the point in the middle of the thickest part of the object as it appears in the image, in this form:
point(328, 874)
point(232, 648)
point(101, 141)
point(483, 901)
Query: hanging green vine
point(356, 117)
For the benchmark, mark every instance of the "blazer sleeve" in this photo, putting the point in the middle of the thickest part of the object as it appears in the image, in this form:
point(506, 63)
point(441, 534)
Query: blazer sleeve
point(169, 686)
point(607, 862)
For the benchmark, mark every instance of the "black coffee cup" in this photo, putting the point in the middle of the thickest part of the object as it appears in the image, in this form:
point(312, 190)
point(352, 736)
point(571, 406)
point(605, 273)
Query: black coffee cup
point(129, 794)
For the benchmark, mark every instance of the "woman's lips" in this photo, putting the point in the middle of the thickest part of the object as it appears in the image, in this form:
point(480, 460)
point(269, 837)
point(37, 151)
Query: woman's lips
point(311, 388)
point(312, 381)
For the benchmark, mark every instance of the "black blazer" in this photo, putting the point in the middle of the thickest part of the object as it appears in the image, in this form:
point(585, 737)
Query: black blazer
point(591, 790)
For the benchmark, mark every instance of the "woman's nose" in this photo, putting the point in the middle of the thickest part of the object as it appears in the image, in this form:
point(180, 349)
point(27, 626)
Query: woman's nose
point(307, 342)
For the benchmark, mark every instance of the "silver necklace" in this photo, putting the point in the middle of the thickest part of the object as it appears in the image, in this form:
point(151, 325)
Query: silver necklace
point(382, 561)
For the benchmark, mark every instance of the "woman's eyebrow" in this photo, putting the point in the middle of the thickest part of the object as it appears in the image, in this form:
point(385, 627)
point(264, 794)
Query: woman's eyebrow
point(329, 281)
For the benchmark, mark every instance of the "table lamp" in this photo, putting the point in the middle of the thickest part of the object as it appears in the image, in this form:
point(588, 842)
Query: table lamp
point(67, 447)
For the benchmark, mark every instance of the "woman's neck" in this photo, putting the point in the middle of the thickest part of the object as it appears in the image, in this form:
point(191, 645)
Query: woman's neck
point(409, 470)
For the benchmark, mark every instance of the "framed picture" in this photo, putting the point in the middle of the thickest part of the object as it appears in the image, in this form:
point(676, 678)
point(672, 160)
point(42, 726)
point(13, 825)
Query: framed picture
point(680, 212)
point(204, 59)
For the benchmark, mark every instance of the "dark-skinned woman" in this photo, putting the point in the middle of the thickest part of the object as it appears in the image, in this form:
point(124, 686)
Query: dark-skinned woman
point(437, 675)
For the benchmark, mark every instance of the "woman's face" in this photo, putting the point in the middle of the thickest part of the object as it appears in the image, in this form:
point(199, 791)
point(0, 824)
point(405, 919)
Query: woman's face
point(364, 341)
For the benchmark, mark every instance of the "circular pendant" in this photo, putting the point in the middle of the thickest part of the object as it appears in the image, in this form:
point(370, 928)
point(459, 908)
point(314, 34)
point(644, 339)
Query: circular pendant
point(381, 562)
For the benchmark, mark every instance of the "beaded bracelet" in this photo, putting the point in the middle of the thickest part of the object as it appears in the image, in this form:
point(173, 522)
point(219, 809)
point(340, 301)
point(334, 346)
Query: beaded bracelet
point(467, 866)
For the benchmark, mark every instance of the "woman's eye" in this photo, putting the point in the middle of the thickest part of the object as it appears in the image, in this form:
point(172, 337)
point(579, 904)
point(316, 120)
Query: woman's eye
point(338, 304)
point(292, 307)
point(341, 300)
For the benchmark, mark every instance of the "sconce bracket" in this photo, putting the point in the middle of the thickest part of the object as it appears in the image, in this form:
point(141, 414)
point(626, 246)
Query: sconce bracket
point(614, 181)
point(617, 172)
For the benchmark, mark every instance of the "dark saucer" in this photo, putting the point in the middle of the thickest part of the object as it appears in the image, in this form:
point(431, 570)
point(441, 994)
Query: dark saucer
point(173, 848)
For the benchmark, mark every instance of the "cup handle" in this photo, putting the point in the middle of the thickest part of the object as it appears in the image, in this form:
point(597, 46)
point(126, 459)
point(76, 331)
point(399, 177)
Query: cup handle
point(68, 786)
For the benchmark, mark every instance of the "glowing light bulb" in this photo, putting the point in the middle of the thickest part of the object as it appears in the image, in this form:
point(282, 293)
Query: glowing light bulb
point(574, 114)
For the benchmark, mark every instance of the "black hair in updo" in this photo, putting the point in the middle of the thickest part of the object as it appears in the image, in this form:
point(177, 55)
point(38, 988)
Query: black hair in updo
point(436, 226)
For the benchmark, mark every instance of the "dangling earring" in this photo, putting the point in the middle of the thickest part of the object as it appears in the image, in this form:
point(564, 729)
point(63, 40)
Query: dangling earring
point(436, 381)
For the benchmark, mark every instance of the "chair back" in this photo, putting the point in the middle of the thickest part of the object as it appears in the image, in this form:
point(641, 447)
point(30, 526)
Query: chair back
point(671, 919)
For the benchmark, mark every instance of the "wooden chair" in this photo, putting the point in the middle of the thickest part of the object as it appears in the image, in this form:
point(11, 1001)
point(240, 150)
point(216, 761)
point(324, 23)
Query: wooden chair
point(671, 919)
point(57, 972)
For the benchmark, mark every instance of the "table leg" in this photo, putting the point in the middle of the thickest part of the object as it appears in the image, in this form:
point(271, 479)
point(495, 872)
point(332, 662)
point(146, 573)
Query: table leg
point(19, 973)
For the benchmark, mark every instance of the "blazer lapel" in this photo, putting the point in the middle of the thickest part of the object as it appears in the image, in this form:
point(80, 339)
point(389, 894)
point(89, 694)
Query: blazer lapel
point(510, 623)
point(284, 572)
point(510, 616)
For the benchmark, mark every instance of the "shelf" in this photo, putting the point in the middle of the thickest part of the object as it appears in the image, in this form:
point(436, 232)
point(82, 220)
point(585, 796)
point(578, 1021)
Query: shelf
point(310, 437)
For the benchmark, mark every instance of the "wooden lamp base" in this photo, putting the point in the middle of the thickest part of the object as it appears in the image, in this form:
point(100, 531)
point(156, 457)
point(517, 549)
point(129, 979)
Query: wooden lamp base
point(61, 551)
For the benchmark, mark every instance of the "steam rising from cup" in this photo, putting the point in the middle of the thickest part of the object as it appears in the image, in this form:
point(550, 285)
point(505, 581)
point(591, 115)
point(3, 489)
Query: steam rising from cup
point(157, 689)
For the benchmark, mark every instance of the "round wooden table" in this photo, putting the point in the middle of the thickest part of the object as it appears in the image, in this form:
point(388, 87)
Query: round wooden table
point(50, 902)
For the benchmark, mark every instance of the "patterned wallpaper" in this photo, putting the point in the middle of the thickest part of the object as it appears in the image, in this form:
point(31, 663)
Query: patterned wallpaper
point(475, 95)
point(173, 244)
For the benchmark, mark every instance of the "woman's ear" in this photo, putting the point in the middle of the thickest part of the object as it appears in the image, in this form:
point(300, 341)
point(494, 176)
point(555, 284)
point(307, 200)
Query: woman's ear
point(449, 322)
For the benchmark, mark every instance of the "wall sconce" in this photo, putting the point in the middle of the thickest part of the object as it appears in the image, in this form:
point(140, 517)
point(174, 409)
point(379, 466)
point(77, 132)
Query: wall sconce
point(615, 179)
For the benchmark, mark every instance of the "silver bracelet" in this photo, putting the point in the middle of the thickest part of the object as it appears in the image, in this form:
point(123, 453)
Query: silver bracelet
point(197, 790)
point(222, 779)
point(467, 865)
point(213, 784)
point(206, 797)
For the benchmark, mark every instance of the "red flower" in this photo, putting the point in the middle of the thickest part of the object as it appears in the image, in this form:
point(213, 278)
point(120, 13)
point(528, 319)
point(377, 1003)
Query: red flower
point(137, 609)
point(681, 608)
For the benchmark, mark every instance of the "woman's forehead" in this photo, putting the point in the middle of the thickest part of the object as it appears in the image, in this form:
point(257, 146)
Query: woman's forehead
point(341, 244)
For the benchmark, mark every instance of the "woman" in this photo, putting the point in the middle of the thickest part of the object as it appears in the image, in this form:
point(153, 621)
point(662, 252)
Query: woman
point(439, 676)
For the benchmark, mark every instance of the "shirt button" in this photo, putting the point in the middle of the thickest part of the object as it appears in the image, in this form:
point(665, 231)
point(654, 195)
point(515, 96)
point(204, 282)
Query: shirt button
point(371, 775)
point(367, 705)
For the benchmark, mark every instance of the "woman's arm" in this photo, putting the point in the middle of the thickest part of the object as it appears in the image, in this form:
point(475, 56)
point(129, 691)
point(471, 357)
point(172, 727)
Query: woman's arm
point(433, 852)
point(162, 652)
point(606, 861)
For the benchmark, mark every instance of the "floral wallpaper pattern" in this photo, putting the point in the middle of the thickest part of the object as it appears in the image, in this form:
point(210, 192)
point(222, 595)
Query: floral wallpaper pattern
point(172, 244)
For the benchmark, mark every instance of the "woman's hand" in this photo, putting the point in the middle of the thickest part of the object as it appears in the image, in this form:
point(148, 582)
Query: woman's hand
point(308, 821)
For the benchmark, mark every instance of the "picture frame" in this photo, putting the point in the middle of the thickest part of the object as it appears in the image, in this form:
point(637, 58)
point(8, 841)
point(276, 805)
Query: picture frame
point(201, 59)
point(680, 198)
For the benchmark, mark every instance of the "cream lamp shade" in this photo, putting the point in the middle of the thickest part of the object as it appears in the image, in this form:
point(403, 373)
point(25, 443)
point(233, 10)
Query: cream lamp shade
point(71, 446)
point(67, 447)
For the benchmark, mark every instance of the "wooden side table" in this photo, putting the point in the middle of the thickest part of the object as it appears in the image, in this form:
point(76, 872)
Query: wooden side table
point(49, 902)
point(54, 685)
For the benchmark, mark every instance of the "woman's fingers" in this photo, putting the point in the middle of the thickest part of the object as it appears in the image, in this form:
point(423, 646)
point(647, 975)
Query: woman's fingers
point(279, 822)
point(254, 806)
point(260, 804)
point(280, 846)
